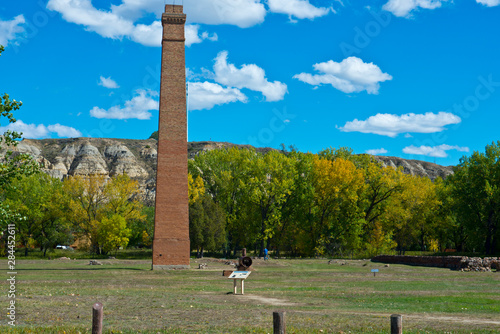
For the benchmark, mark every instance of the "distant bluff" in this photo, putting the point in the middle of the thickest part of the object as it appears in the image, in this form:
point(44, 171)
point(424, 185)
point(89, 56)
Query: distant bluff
point(137, 158)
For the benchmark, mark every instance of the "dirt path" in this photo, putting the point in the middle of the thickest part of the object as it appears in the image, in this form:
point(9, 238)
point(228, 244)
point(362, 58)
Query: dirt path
point(419, 316)
point(266, 300)
point(431, 317)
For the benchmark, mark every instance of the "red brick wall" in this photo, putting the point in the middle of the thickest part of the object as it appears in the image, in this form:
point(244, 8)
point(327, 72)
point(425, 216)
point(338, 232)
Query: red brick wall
point(171, 234)
point(452, 262)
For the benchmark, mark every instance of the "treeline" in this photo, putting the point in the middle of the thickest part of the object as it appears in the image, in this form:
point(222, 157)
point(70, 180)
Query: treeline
point(333, 203)
point(101, 215)
point(337, 203)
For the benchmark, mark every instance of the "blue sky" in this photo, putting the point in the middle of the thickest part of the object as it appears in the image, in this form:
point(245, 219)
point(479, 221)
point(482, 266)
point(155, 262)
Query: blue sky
point(418, 79)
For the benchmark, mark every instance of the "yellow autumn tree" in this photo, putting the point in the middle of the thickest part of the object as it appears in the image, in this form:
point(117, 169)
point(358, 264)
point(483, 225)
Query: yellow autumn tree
point(196, 188)
point(413, 214)
point(338, 218)
point(98, 207)
point(379, 241)
point(113, 233)
point(382, 184)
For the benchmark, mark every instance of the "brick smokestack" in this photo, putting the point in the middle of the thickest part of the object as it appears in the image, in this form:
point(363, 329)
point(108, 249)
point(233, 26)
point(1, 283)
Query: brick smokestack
point(171, 234)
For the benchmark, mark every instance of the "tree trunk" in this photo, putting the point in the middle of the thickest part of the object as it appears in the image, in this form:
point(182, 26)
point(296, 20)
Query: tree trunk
point(422, 242)
point(490, 234)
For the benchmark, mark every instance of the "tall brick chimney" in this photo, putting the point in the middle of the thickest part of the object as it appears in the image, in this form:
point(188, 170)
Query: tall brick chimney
point(171, 234)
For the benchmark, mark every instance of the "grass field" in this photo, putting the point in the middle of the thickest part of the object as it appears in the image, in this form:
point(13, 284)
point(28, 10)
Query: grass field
point(56, 296)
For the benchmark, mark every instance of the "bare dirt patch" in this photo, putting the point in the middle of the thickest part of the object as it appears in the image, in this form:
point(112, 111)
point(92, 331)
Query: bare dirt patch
point(266, 300)
point(427, 317)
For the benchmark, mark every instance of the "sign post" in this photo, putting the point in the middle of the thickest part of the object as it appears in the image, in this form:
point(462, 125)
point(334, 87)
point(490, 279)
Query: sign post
point(374, 271)
point(239, 276)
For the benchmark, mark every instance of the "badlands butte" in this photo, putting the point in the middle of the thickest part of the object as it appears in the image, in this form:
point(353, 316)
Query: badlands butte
point(137, 158)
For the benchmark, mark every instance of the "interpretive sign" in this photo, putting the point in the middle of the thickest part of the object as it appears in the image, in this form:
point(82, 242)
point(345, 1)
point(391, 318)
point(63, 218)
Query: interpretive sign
point(240, 274)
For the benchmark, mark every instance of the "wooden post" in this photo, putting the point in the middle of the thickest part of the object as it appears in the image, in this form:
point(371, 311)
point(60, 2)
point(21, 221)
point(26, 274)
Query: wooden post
point(235, 286)
point(242, 286)
point(396, 324)
point(279, 322)
point(97, 318)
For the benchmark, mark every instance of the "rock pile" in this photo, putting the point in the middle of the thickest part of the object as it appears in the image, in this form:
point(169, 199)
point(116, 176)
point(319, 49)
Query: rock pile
point(462, 263)
point(479, 264)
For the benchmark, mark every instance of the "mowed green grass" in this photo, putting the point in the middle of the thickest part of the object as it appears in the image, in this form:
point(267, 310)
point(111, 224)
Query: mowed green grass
point(56, 296)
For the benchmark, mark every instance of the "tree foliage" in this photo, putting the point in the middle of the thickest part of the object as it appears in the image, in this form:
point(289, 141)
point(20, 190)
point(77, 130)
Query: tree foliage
point(40, 199)
point(94, 200)
point(302, 204)
point(206, 225)
point(476, 189)
point(13, 166)
point(338, 222)
point(412, 214)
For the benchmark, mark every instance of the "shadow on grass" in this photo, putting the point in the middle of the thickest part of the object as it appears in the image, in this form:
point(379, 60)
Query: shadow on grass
point(72, 269)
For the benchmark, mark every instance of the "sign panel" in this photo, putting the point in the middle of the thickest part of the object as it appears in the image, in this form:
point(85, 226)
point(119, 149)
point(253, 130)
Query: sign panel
point(374, 270)
point(240, 274)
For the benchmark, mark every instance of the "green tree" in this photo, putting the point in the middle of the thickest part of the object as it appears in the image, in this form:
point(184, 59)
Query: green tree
point(142, 230)
point(12, 165)
point(206, 225)
point(293, 232)
point(270, 184)
point(154, 135)
point(476, 188)
point(225, 174)
point(40, 199)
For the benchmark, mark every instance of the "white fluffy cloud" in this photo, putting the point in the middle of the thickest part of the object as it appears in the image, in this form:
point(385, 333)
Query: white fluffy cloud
point(108, 83)
point(489, 3)
point(350, 75)
point(9, 30)
point(40, 131)
point(106, 24)
point(136, 108)
point(206, 95)
point(248, 76)
point(403, 8)
point(301, 9)
point(377, 151)
point(433, 151)
point(193, 35)
point(392, 125)
point(119, 22)
point(64, 131)
point(241, 13)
